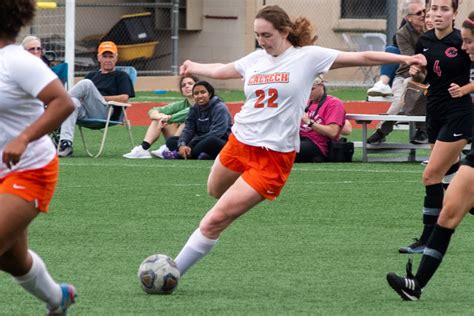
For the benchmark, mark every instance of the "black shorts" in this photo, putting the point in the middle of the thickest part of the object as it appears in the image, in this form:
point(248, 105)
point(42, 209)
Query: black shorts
point(469, 160)
point(450, 128)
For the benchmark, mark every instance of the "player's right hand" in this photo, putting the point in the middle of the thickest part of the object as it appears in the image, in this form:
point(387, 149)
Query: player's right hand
point(13, 151)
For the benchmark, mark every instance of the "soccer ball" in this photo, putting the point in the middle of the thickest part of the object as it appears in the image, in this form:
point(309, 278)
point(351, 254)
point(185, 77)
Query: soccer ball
point(158, 274)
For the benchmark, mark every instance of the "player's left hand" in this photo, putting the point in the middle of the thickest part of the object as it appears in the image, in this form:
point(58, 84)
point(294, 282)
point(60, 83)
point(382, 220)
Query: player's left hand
point(13, 151)
point(455, 90)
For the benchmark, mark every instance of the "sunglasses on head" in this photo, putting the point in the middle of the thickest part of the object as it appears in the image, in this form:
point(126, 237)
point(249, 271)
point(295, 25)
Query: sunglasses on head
point(32, 49)
point(419, 13)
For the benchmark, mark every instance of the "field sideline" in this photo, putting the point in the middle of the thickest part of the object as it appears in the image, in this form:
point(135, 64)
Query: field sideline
point(323, 247)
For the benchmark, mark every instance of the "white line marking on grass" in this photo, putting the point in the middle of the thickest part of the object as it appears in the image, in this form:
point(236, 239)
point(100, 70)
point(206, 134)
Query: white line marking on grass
point(204, 183)
point(75, 186)
point(356, 170)
point(351, 182)
point(182, 165)
point(167, 166)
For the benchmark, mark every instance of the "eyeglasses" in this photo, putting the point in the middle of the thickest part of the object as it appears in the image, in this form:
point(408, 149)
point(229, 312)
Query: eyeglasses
point(32, 49)
point(419, 13)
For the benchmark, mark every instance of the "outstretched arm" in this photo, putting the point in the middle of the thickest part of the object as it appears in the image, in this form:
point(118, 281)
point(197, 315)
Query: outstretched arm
point(215, 71)
point(369, 58)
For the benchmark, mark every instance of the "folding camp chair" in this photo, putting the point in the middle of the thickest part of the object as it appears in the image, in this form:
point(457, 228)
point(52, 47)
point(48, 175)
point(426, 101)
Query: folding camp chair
point(104, 124)
point(61, 70)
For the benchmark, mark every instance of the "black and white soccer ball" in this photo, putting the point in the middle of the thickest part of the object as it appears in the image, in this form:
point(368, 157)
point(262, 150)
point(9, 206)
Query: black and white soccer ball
point(158, 274)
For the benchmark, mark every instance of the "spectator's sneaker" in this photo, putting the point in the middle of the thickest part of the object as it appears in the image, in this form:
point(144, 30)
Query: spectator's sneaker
point(65, 149)
point(380, 89)
point(159, 152)
point(416, 247)
point(204, 156)
point(69, 298)
point(168, 154)
point(420, 137)
point(424, 162)
point(138, 153)
point(407, 287)
point(376, 138)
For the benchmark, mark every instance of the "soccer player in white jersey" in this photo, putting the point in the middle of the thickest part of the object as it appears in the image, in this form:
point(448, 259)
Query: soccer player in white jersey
point(257, 160)
point(29, 164)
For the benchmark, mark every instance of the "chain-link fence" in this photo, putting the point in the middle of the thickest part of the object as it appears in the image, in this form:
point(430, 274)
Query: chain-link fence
point(48, 25)
point(147, 38)
point(141, 30)
point(342, 25)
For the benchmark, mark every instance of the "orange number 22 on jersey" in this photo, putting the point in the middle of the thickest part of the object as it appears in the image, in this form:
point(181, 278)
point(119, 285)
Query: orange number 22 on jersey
point(273, 93)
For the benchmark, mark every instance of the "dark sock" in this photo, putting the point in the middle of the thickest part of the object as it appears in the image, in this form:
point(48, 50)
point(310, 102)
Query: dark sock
point(433, 254)
point(453, 169)
point(432, 208)
point(146, 145)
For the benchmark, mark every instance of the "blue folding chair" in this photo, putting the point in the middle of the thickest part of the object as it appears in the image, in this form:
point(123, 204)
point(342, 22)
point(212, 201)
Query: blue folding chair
point(104, 124)
point(61, 70)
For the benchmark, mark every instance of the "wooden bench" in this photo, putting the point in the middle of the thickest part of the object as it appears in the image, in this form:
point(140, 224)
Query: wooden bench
point(365, 119)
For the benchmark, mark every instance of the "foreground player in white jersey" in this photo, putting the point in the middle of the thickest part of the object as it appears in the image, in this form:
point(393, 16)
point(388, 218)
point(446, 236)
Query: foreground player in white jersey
point(257, 160)
point(29, 165)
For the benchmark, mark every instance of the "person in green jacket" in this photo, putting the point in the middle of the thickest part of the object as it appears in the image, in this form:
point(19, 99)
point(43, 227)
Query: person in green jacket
point(168, 120)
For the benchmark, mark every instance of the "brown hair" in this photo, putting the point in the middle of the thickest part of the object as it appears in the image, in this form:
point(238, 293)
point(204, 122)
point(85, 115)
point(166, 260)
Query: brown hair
point(455, 5)
point(300, 32)
point(195, 79)
point(14, 14)
point(469, 22)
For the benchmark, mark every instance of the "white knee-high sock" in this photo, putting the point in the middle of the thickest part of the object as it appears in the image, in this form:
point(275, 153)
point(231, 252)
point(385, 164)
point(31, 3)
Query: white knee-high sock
point(39, 283)
point(195, 248)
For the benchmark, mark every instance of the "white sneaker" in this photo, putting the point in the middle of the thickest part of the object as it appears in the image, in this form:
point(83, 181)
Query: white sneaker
point(380, 89)
point(159, 152)
point(138, 153)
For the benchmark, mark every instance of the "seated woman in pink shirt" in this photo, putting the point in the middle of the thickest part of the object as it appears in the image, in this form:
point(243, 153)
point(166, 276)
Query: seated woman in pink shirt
point(324, 120)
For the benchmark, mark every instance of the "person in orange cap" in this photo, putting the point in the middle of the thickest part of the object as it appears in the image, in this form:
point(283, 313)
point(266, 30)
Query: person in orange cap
point(90, 95)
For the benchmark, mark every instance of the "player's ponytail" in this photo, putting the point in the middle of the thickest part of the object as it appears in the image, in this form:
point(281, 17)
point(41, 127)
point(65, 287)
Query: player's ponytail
point(300, 33)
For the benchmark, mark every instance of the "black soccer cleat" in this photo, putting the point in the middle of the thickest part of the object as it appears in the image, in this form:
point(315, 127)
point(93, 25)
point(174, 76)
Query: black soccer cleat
point(407, 287)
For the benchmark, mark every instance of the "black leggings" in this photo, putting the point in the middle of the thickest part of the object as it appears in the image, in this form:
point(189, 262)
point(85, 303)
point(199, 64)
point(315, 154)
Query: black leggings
point(210, 145)
point(309, 152)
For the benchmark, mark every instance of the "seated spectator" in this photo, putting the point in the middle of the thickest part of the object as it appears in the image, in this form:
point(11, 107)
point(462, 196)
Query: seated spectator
point(33, 45)
point(206, 128)
point(168, 120)
point(407, 36)
point(383, 87)
point(323, 121)
point(90, 95)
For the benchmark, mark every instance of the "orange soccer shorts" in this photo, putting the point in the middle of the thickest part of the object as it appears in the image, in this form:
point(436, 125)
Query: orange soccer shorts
point(35, 185)
point(266, 171)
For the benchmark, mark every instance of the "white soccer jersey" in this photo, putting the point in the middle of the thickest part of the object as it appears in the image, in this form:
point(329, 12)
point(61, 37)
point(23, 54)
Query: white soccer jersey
point(22, 77)
point(276, 90)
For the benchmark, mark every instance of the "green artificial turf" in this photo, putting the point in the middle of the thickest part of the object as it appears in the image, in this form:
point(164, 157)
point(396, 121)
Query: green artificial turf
point(323, 247)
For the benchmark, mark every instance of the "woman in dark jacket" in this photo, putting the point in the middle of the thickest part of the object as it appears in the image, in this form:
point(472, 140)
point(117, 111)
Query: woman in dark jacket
point(207, 126)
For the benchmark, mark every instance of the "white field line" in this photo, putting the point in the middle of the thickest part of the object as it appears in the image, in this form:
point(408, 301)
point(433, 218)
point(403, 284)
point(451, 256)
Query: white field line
point(182, 165)
point(204, 183)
